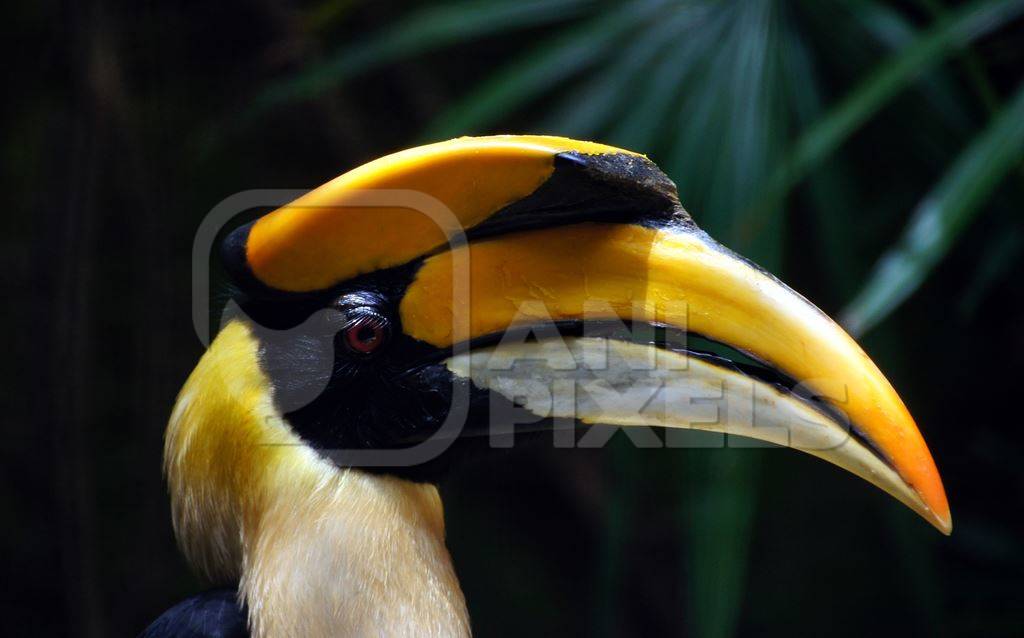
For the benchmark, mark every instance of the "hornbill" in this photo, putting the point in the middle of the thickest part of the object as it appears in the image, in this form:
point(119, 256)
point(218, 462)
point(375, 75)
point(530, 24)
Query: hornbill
point(442, 300)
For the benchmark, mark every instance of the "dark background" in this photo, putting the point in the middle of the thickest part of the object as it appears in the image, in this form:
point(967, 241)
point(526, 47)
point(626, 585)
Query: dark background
point(125, 123)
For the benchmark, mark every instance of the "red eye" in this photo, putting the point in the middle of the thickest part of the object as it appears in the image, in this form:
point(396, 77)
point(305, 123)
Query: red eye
point(365, 334)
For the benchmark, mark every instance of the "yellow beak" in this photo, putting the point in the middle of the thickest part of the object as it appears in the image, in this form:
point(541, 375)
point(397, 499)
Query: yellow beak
point(683, 279)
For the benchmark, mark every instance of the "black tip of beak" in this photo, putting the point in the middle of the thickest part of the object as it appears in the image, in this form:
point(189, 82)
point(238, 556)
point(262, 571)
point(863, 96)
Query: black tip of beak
point(609, 188)
point(623, 172)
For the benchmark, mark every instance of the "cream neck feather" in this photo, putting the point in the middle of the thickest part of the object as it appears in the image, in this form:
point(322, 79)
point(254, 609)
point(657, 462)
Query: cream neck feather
point(359, 555)
point(318, 551)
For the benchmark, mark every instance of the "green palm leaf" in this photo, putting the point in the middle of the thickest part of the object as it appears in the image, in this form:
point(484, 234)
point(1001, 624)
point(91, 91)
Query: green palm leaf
point(543, 68)
point(430, 28)
point(940, 218)
point(890, 78)
point(828, 190)
point(648, 116)
point(974, 20)
point(587, 110)
point(896, 33)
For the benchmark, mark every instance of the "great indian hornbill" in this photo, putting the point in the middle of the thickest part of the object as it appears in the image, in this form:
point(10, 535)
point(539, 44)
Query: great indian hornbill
point(413, 310)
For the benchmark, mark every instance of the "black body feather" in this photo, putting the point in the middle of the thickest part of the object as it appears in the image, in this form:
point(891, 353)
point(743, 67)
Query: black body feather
point(212, 614)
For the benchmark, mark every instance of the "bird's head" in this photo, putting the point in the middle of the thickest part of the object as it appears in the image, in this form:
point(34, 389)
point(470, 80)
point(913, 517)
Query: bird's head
point(428, 304)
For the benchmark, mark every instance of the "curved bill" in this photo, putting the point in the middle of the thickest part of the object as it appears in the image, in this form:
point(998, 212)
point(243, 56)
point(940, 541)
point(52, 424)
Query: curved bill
point(681, 279)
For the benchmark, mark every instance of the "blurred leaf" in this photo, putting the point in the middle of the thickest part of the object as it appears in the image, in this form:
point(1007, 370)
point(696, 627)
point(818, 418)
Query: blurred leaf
point(427, 29)
point(587, 110)
point(554, 61)
point(830, 193)
point(719, 515)
point(994, 263)
point(324, 14)
point(890, 28)
point(619, 511)
point(890, 77)
point(957, 30)
point(648, 116)
point(730, 133)
point(915, 557)
point(940, 218)
point(971, 63)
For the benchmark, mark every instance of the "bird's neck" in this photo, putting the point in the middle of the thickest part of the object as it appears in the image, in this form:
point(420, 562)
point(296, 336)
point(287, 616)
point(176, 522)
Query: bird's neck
point(318, 551)
point(358, 554)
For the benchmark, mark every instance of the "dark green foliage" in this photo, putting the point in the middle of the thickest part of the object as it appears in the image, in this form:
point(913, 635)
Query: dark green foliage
point(868, 152)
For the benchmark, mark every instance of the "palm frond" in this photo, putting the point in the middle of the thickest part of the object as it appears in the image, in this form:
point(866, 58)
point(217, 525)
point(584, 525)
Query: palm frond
point(419, 32)
point(587, 110)
point(890, 78)
point(940, 218)
point(550, 63)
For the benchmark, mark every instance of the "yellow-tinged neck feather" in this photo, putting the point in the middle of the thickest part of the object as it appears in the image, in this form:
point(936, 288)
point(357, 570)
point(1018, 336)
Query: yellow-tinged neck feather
point(318, 550)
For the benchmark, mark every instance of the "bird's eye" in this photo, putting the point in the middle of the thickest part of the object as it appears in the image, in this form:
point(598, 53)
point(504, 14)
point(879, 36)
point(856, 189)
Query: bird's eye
point(366, 333)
